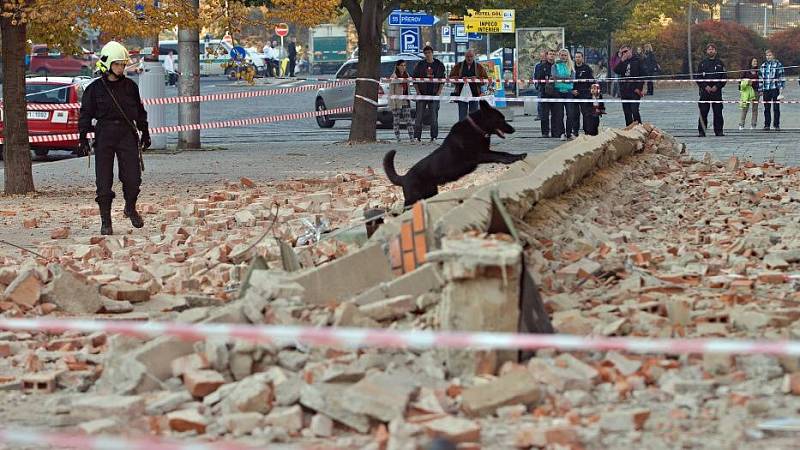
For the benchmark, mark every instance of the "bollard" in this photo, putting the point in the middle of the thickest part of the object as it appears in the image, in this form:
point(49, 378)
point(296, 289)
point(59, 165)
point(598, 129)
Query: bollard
point(151, 85)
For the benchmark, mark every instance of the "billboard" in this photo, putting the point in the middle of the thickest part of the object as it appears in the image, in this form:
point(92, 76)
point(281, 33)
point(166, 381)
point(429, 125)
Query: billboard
point(532, 41)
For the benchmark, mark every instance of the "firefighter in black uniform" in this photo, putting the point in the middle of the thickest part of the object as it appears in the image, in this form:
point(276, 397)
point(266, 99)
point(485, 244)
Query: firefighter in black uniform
point(711, 68)
point(113, 100)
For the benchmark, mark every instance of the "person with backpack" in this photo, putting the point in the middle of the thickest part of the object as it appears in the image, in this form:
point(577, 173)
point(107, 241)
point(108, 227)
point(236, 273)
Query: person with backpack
point(113, 100)
point(468, 68)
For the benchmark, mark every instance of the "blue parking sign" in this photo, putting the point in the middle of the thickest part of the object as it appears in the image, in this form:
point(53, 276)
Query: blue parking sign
point(409, 40)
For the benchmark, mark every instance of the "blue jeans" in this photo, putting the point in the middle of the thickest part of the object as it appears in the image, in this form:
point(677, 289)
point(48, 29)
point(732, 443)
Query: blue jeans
point(465, 108)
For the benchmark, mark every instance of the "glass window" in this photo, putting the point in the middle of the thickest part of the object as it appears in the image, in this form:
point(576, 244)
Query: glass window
point(46, 93)
point(348, 71)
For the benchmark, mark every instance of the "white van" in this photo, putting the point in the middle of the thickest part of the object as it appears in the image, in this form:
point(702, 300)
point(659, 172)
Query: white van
point(213, 54)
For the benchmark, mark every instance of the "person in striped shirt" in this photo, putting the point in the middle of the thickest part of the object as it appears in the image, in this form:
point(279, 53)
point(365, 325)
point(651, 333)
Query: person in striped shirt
point(772, 81)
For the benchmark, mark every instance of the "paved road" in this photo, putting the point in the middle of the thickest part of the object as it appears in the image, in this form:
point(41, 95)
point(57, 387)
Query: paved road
point(677, 119)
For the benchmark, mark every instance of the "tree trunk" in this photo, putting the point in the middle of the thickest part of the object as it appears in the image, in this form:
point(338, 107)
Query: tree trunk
point(365, 115)
point(189, 83)
point(16, 150)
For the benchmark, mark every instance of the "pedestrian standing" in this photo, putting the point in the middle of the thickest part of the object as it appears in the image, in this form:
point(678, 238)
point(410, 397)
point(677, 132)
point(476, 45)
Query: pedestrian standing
point(292, 54)
point(269, 66)
point(277, 57)
point(113, 100)
point(550, 116)
point(651, 67)
point(469, 68)
point(616, 58)
point(591, 122)
point(582, 90)
point(429, 67)
point(401, 108)
point(748, 95)
point(564, 73)
point(169, 68)
point(537, 74)
point(631, 87)
point(711, 68)
point(771, 84)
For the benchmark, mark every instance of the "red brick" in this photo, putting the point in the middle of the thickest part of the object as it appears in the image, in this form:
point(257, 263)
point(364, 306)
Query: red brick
point(30, 223)
point(202, 382)
point(60, 233)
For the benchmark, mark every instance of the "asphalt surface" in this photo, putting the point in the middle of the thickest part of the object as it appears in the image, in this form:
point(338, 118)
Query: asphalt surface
point(278, 141)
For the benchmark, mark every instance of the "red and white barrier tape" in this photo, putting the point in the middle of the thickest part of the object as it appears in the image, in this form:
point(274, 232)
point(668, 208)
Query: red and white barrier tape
point(42, 439)
point(561, 100)
point(579, 80)
point(387, 338)
point(203, 126)
point(204, 98)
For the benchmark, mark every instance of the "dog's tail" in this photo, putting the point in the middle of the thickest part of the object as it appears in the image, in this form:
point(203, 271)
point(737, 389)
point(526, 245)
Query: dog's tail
point(388, 167)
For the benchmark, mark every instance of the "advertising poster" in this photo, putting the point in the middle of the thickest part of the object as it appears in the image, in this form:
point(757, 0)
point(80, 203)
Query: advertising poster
point(531, 42)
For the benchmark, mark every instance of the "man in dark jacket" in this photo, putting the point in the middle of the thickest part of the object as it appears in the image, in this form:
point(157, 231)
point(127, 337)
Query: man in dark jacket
point(709, 69)
point(113, 99)
point(429, 67)
point(630, 67)
point(582, 90)
point(537, 69)
point(552, 112)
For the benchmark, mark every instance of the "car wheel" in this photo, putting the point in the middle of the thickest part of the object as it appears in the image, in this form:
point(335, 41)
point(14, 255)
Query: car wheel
point(230, 72)
point(323, 121)
point(41, 152)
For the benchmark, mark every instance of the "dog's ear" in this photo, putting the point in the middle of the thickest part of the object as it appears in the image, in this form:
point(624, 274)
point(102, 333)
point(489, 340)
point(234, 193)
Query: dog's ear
point(485, 105)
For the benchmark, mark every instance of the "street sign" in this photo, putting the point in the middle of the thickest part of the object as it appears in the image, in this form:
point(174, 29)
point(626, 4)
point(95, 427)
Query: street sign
point(454, 18)
point(460, 33)
point(399, 18)
point(474, 36)
point(282, 29)
point(490, 21)
point(409, 40)
point(446, 34)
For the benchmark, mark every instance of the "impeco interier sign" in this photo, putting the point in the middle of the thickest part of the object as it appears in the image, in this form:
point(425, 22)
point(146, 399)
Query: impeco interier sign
point(490, 21)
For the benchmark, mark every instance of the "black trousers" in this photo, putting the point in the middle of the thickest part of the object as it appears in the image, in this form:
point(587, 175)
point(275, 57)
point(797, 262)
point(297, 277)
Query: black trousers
point(429, 108)
point(771, 96)
point(552, 119)
point(631, 110)
point(116, 138)
point(719, 121)
point(292, 64)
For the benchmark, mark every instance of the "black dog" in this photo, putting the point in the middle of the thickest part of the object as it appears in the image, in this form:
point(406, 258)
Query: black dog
point(462, 151)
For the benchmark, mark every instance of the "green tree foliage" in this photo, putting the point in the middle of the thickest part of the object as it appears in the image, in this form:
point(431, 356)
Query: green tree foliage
point(586, 22)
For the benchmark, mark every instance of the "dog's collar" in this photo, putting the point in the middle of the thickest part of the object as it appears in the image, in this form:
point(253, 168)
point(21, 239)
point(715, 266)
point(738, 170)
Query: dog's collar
point(477, 128)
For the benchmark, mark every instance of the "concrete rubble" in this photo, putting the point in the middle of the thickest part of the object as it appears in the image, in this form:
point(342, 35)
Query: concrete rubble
point(623, 235)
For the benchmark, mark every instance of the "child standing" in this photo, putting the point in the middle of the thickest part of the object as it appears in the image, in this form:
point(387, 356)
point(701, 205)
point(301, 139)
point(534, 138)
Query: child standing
point(748, 95)
point(591, 121)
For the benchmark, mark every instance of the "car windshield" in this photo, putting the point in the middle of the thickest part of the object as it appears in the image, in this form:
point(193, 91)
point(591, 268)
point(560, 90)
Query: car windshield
point(46, 93)
point(350, 70)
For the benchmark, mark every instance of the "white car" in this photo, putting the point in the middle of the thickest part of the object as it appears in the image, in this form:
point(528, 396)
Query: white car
point(342, 96)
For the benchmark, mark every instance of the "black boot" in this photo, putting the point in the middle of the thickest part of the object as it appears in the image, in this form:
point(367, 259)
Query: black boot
point(105, 220)
point(131, 213)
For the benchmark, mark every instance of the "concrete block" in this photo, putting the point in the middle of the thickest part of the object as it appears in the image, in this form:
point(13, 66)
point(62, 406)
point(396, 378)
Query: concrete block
point(382, 396)
point(25, 290)
point(73, 294)
point(425, 279)
point(516, 387)
point(200, 383)
point(343, 278)
point(391, 308)
point(327, 399)
point(289, 419)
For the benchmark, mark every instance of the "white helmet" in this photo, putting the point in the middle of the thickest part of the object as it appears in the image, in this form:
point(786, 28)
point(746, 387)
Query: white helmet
point(112, 52)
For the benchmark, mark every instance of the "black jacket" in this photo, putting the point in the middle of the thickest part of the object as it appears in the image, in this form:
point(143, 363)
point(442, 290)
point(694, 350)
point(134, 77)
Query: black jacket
point(424, 69)
point(97, 104)
point(292, 50)
point(543, 71)
point(584, 88)
point(710, 69)
point(631, 68)
point(649, 63)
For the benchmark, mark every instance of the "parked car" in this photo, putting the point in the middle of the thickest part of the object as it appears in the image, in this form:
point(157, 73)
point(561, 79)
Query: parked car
point(214, 53)
point(49, 62)
point(342, 96)
point(52, 90)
